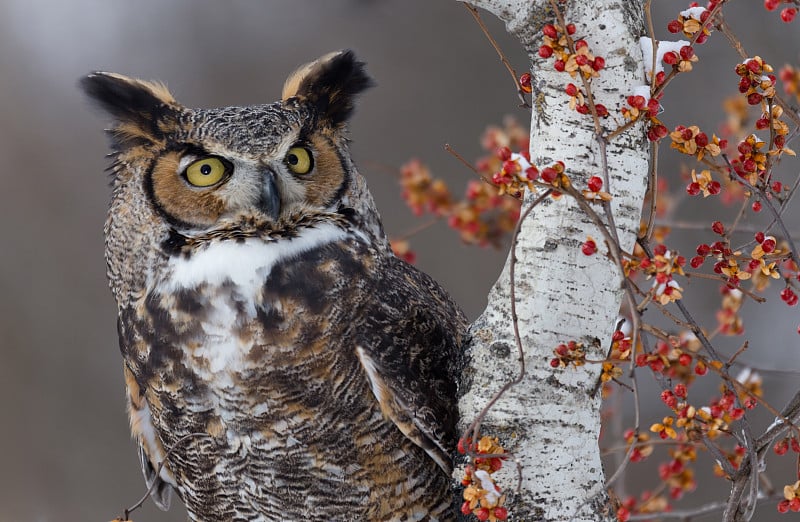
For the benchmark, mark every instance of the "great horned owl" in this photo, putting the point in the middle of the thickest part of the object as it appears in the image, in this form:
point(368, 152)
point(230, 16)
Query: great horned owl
point(278, 357)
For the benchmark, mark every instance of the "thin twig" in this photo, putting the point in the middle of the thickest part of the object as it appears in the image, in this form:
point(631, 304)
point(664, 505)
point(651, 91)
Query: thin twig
point(160, 466)
point(514, 77)
point(770, 206)
point(469, 165)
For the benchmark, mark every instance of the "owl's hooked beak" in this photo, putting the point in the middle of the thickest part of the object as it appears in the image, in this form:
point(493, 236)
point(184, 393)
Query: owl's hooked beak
point(270, 200)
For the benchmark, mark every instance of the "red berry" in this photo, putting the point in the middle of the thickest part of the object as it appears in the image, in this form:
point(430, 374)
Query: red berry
point(658, 132)
point(693, 188)
point(581, 60)
point(675, 26)
point(768, 245)
point(501, 513)
point(482, 514)
point(580, 44)
point(777, 186)
point(756, 206)
point(744, 85)
point(595, 183)
point(701, 139)
point(684, 360)
point(549, 174)
point(771, 5)
point(714, 188)
point(687, 52)
point(783, 506)
point(652, 107)
point(589, 247)
point(525, 82)
point(700, 368)
point(754, 66)
point(671, 58)
point(762, 123)
point(660, 249)
point(744, 148)
point(465, 509)
point(582, 109)
point(571, 29)
point(759, 237)
point(559, 65)
point(504, 153)
point(718, 228)
point(696, 261)
point(703, 249)
point(788, 14)
point(571, 89)
point(636, 101)
point(545, 51)
point(531, 173)
point(754, 98)
point(511, 167)
point(668, 398)
point(599, 63)
point(550, 31)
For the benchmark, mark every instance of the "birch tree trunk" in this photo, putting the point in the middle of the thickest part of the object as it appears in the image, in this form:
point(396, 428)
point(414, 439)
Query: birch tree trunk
point(550, 422)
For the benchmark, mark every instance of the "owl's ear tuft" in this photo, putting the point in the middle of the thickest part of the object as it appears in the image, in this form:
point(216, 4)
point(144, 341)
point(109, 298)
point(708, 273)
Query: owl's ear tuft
point(144, 111)
point(331, 83)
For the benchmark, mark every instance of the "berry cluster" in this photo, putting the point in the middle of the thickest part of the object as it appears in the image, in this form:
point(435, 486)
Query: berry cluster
point(661, 266)
point(756, 81)
point(558, 42)
point(641, 105)
point(571, 354)
point(488, 213)
point(690, 140)
point(482, 497)
point(691, 22)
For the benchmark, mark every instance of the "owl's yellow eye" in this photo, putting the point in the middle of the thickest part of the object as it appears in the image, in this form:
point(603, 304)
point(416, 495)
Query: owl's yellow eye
point(300, 160)
point(206, 172)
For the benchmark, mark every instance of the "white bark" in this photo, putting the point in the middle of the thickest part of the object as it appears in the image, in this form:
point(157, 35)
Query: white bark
point(551, 421)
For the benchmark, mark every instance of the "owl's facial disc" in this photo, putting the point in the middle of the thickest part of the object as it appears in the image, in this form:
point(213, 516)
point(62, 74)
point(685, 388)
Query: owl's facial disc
point(270, 200)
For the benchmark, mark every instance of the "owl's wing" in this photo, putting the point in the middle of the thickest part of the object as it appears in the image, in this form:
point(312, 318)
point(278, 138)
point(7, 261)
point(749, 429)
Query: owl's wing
point(151, 451)
point(408, 343)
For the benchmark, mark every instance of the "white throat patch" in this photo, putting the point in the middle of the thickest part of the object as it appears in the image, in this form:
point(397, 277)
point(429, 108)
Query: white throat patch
point(245, 264)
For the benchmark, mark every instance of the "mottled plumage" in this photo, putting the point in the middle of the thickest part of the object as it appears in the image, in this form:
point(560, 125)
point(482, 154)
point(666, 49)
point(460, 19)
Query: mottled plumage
point(261, 309)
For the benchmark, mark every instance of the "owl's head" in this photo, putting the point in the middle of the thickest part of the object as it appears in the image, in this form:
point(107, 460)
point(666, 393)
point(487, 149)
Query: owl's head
point(201, 168)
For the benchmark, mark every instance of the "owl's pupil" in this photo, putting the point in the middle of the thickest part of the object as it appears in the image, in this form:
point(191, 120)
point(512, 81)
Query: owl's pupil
point(293, 159)
point(205, 169)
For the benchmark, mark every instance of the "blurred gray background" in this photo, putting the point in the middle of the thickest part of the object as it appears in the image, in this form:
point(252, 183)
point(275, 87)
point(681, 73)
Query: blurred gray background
point(66, 449)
